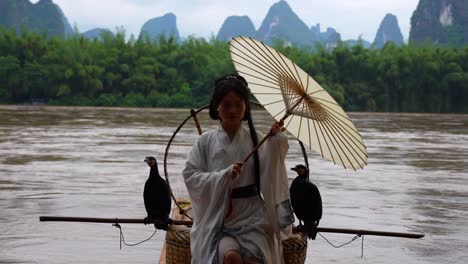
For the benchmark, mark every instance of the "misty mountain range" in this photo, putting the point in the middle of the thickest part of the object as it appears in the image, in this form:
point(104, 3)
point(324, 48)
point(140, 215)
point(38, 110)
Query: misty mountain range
point(441, 22)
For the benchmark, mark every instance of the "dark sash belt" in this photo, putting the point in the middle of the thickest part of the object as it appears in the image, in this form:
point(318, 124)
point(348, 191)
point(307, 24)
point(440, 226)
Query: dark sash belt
point(244, 192)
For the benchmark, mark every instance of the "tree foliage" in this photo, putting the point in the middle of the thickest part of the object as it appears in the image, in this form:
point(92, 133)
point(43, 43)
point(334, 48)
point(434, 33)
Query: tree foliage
point(165, 72)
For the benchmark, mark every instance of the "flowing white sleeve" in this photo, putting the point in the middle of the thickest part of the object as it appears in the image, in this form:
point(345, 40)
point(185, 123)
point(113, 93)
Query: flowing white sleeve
point(197, 178)
point(203, 185)
point(274, 184)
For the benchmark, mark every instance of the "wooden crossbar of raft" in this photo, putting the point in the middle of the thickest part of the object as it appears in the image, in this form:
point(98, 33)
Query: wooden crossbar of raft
point(189, 223)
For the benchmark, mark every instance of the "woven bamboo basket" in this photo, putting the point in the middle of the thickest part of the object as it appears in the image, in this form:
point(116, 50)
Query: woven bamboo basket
point(178, 247)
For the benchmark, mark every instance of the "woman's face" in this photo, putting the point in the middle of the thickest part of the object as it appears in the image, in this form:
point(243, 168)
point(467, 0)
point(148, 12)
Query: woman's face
point(231, 109)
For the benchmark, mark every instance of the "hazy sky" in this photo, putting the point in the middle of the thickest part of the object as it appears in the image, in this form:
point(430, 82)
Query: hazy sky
point(203, 18)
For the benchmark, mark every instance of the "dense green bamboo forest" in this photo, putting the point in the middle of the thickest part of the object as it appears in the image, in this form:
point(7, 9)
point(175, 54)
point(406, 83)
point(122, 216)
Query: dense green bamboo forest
point(116, 71)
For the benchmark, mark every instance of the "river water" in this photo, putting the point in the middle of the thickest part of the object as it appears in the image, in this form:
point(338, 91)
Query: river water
point(88, 162)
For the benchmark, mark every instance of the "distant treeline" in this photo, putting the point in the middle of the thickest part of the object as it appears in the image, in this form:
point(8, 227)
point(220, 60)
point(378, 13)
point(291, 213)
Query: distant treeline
point(114, 71)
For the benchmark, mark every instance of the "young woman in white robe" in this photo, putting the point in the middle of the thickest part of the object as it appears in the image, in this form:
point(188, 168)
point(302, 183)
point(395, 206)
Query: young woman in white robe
point(241, 211)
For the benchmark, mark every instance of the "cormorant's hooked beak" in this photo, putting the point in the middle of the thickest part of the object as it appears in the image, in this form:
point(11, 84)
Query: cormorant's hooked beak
point(300, 169)
point(150, 160)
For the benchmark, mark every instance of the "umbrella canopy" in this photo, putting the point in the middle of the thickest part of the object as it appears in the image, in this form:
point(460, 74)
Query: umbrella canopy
point(308, 111)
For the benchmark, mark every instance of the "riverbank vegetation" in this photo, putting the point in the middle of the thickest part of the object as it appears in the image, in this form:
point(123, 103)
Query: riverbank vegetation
point(114, 71)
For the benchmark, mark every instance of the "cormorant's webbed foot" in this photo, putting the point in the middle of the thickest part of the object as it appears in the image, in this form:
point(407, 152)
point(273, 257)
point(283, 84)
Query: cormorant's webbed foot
point(163, 224)
point(148, 220)
point(312, 230)
point(312, 234)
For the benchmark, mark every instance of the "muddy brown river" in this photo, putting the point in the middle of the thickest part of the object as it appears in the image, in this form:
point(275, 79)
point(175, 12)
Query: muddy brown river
point(79, 161)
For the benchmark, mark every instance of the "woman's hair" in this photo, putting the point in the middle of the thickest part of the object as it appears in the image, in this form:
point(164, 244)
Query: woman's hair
point(237, 84)
point(223, 86)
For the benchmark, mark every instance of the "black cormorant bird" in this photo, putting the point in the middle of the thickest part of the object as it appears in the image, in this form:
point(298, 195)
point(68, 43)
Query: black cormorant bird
point(157, 197)
point(306, 201)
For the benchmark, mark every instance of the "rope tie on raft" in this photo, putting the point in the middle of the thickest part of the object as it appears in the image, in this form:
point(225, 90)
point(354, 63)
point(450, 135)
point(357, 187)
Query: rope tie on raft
point(122, 238)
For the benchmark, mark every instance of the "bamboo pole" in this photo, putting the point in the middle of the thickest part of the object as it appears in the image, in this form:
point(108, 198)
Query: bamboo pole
point(367, 232)
point(106, 220)
point(189, 223)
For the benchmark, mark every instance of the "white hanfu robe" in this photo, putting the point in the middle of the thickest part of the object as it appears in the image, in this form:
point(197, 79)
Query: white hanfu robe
point(257, 224)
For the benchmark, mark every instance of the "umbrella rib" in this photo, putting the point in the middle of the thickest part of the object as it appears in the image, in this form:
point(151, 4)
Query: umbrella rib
point(284, 67)
point(326, 142)
point(300, 126)
point(328, 109)
point(318, 139)
point(326, 101)
point(289, 121)
point(310, 133)
point(274, 102)
point(317, 125)
point(264, 85)
point(317, 91)
point(270, 78)
point(342, 137)
point(278, 69)
point(333, 136)
point(255, 52)
point(268, 72)
point(340, 123)
point(338, 138)
point(349, 135)
point(332, 140)
point(245, 73)
point(255, 76)
point(291, 73)
point(252, 51)
point(291, 96)
point(309, 130)
point(300, 80)
point(277, 114)
point(273, 61)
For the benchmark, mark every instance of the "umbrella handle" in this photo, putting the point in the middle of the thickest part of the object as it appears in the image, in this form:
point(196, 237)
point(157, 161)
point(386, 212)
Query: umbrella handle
point(256, 147)
point(264, 139)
